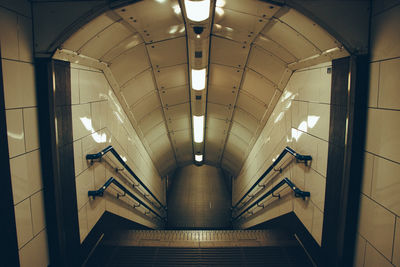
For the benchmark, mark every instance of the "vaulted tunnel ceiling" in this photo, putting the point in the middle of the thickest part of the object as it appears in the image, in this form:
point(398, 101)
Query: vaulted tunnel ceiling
point(254, 48)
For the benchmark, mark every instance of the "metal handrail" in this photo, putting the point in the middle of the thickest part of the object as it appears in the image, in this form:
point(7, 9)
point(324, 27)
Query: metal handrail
point(297, 193)
point(112, 180)
point(118, 157)
point(287, 149)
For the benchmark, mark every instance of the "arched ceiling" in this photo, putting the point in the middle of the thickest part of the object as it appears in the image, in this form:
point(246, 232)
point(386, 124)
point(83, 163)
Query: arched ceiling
point(254, 47)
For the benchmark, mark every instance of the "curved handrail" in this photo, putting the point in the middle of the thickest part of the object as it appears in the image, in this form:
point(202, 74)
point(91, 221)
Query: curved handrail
point(118, 157)
point(287, 149)
point(297, 193)
point(112, 180)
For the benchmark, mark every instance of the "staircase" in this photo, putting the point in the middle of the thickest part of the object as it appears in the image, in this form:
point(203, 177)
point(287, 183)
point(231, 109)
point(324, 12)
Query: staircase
point(198, 248)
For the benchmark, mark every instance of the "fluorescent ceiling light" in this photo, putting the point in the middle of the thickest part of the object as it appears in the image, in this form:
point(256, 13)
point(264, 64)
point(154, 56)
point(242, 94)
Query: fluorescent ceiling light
point(197, 10)
point(198, 158)
point(198, 128)
point(198, 79)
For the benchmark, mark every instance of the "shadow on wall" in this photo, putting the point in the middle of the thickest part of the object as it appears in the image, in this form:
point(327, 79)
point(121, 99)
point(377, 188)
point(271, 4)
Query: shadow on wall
point(199, 199)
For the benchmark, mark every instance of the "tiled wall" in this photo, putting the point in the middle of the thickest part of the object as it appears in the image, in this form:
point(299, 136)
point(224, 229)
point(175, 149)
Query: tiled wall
point(22, 131)
point(98, 121)
point(378, 238)
point(300, 120)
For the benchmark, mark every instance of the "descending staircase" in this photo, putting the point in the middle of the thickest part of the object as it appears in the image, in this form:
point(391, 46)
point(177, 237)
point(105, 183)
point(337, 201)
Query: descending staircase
point(199, 248)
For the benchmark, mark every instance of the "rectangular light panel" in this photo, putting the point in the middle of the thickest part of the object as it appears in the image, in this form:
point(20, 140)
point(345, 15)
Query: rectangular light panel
point(198, 128)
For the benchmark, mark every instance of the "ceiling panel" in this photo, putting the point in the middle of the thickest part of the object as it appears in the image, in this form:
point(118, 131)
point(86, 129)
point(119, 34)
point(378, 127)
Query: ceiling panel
point(172, 76)
point(138, 87)
point(177, 112)
point(245, 119)
point(290, 39)
point(237, 26)
point(251, 105)
point(151, 120)
point(229, 53)
point(223, 96)
point(161, 146)
point(179, 125)
point(275, 49)
point(129, 64)
point(182, 137)
point(309, 29)
point(105, 40)
point(174, 96)
point(225, 76)
point(219, 111)
point(256, 85)
point(124, 45)
point(154, 133)
point(145, 106)
point(253, 7)
point(217, 125)
point(275, 68)
point(242, 132)
point(168, 53)
point(84, 34)
point(155, 20)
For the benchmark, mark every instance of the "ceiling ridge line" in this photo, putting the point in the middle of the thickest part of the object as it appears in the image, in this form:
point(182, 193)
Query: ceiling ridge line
point(234, 106)
point(278, 44)
point(161, 104)
point(130, 36)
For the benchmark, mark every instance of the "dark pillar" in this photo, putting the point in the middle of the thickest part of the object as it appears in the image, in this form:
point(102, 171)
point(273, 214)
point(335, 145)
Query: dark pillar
point(54, 100)
point(349, 93)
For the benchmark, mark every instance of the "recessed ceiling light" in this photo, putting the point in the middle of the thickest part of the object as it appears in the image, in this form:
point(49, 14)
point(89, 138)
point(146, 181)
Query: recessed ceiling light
point(197, 10)
point(198, 79)
point(198, 128)
point(198, 158)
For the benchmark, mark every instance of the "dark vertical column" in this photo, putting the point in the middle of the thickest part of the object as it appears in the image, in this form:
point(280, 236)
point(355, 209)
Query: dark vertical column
point(8, 239)
point(55, 121)
point(345, 158)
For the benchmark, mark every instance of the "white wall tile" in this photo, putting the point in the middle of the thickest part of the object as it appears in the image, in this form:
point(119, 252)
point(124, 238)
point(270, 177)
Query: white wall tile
point(35, 253)
point(25, 43)
point(99, 175)
point(315, 184)
point(386, 184)
point(23, 222)
point(95, 208)
point(8, 32)
point(322, 157)
point(26, 175)
point(318, 120)
point(84, 183)
point(396, 245)
point(318, 219)
point(93, 86)
point(15, 132)
point(373, 258)
point(83, 224)
point(383, 131)
point(367, 173)
point(384, 35)
point(373, 84)
point(38, 215)
point(325, 86)
point(78, 157)
point(304, 211)
point(389, 80)
point(81, 121)
point(376, 224)
point(19, 84)
point(100, 112)
point(359, 251)
point(74, 86)
point(31, 128)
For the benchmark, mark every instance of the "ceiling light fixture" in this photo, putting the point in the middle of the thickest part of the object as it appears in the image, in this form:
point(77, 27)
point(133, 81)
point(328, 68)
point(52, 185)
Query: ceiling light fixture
point(197, 10)
point(198, 158)
point(198, 128)
point(198, 79)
